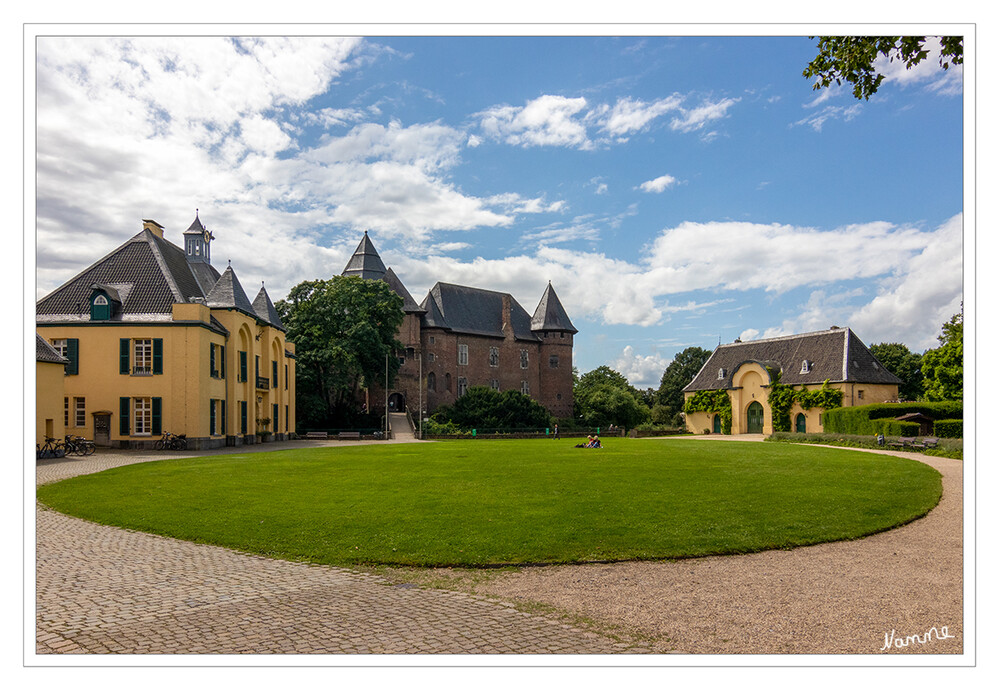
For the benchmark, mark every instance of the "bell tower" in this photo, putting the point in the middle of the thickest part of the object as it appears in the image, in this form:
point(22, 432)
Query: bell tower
point(197, 242)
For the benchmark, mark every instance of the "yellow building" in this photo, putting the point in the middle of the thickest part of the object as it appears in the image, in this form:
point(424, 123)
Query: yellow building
point(807, 360)
point(159, 341)
point(51, 410)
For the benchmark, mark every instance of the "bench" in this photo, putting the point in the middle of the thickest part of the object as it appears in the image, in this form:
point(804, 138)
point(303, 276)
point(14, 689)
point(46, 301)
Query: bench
point(320, 435)
point(903, 442)
point(930, 442)
point(349, 436)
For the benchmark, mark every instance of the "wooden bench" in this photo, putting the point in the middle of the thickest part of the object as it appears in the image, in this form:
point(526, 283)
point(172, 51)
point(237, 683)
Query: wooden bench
point(319, 435)
point(903, 442)
point(930, 442)
point(349, 436)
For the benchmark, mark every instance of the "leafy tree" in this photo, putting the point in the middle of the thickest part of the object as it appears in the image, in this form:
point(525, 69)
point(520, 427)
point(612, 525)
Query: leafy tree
point(680, 372)
point(851, 58)
point(482, 407)
point(943, 367)
point(342, 328)
point(906, 365)
point(603, 397)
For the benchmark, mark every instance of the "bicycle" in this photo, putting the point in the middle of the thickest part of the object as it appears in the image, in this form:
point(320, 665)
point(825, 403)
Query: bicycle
point(51, 449)
point(171, 442)
point(78, 445)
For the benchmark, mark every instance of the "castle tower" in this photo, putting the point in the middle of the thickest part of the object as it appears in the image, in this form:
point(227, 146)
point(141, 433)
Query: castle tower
point(552, 325)
point(197, 243)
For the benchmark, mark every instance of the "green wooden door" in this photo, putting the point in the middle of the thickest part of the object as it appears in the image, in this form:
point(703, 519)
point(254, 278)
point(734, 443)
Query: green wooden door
point(717, 424)
point(754, 418)
point(799, 423)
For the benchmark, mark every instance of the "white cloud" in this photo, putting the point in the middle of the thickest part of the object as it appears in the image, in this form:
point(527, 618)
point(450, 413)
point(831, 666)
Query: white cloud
point(630, 115)
point(545, 121)
point(696, 118)
point(658, 185)
point(948, 82)
point(642, 371)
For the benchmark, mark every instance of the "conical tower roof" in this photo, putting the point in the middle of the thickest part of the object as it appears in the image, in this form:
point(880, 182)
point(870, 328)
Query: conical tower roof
point(264, 308)
point(365, 262)
point(550, 315)
point(229, 294)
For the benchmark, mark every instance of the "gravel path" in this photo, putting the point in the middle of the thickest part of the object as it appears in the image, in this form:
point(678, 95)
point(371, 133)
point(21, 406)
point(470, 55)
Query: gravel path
point(103, 589)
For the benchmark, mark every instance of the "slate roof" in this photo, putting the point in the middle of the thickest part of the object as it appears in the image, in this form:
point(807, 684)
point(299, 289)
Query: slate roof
point(837, 355)
point(550, 315)
point(474, 311)
point(365, 262)
point(149, 274)
point(264, 309)
point(44, 352)
point(228, 293)
point(409, 304)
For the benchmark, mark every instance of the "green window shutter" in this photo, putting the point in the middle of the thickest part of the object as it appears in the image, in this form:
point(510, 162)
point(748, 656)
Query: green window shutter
point(157, 416)
point(124, 355)
point(211, 417)
point(73, 355)
point(123, 408)
point(274, 378)
point(157, 355)
point(242, 416)
point(242, 367)
point(211, 360)
point(274, 422)
point(222, 364)
point(223, 425)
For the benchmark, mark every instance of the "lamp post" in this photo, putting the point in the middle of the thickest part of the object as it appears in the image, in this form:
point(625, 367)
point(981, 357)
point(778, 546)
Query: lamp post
point(386, 397)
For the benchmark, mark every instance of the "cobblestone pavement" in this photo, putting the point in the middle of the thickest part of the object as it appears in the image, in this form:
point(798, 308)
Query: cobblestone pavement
point(102, 590)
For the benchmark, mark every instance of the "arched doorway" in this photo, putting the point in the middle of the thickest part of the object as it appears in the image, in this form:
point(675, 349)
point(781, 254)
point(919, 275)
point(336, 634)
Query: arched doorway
point(799, 423)
point(754, 418)
point(716, 424)
point(396, 402)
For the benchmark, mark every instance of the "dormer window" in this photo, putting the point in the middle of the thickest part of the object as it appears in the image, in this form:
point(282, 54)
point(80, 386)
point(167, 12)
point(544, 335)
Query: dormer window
point(721, 374)
point(100, 307)
point(806, 366)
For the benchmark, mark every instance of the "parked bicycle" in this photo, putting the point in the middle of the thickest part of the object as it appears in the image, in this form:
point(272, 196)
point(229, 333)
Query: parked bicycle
point(78, 445)
point(50, 449)
point(171, 442)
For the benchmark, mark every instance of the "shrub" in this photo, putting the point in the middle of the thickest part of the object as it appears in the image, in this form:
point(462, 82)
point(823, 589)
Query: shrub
point(948, 428)
point(947, 448)
point(861, 420)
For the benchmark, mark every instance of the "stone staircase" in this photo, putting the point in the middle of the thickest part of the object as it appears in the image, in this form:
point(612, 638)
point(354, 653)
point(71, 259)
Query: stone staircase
point(400, 427)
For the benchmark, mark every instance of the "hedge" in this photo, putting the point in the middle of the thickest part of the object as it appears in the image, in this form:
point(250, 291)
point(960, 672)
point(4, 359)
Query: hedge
point(948, 428)
point(870, 419)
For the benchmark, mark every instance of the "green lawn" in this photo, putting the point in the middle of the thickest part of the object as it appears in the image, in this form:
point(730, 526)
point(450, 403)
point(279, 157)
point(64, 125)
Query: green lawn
point(494, 502)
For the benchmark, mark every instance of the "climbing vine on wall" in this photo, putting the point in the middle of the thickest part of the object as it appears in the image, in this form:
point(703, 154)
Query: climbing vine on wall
point(714, 402)
point(782, 397)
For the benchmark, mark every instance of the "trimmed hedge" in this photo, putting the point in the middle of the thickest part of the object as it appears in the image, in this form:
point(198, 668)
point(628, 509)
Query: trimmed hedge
point(947, 448)
point(949, 428)
point(870, 419)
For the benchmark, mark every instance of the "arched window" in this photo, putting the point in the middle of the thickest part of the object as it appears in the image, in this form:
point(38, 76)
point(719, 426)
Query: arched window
point(447, 382)
point(431, 381)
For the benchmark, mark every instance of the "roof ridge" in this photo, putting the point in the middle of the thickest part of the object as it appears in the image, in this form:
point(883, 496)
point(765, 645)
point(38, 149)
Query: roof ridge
point(793, 336)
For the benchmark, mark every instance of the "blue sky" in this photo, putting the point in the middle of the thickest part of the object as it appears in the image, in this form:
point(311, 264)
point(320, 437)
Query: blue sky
point(676, 191)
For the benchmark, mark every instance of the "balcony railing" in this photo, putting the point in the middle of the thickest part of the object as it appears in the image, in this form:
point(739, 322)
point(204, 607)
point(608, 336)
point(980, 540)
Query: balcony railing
point(142, 371)
point(263, 383)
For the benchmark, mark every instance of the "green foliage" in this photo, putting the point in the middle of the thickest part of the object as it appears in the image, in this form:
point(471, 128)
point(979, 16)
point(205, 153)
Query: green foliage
point(870, 419)
point(680, 372)
point(781, 398)
point(482, 407)
point(603, 397)
point(943, 368)
point(947, 448)
point(948, 428)
point(852, 58)
point(906, 365)
point(343, 329)
point(714, 402)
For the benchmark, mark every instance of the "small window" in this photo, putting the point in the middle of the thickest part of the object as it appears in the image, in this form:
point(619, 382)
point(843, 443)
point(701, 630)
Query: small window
point(494, 384)
point(523, 359)
point(721, 373)
point(553, 361)
point(463, 354)
point(65, 411)
point(558, 396)
point(447, 382)
point(431, 381)
point(525, 388)
point(462, 386)
point(431, 357)
point(561, 334)
point(81, 411)
point(860, 394)
point(494, 356)
point(806, 366)
point(100, 307)
point(433, 340)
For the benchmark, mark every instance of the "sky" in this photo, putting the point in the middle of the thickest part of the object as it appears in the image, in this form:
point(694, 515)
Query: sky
point(676, 191)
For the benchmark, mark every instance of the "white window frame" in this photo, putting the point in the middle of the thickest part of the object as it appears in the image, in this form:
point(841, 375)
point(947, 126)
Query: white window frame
point(142, 416)
point(142, 357)
point(494, 356)
point(79, 412)
point(462, 355)
point(525, 388)
point(494, 384)
point(524, 359)
point(462, 386)
point(61, 345)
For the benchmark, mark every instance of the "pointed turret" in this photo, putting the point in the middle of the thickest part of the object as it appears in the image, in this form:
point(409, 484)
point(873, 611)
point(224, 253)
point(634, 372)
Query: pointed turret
point(365, 262)
point(197, 242)
point(550, 315)
point(264, 308)
point(227, 293)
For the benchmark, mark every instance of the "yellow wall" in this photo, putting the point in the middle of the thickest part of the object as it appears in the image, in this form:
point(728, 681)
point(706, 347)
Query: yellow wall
point(751, 383)
point(49, 401)
point(186, 385)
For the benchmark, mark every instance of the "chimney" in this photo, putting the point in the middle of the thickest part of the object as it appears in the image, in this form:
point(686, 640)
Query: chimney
point(153, 227)
point(507, 316)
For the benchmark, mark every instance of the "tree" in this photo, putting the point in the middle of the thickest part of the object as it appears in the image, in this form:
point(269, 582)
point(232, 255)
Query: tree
point(680, 372)
point(852, 58)
point(603, 397)
point(943, 367)
point(482, 407)
point(343, 329)
point(906, 365)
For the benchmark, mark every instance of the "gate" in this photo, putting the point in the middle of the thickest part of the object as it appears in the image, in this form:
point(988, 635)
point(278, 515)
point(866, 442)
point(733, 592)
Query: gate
point(102, 429)
point(754, 418)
